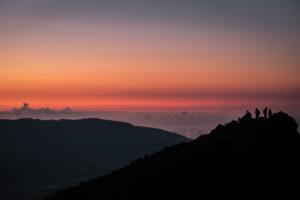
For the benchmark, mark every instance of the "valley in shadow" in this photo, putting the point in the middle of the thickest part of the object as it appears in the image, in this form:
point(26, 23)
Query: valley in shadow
point(39, 157)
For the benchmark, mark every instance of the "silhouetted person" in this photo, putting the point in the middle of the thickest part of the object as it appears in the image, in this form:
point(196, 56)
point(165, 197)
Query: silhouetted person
point(257, 113)
point(265, 112)
point(247, 116)
point(270, 113)
point(25, 105)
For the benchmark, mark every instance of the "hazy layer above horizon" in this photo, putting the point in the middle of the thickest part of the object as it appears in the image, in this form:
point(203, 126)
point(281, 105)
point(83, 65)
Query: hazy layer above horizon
point(188, 124)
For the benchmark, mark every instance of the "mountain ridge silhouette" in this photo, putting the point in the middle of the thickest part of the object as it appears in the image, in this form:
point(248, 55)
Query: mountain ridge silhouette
point(39, 157)
point(249, 155)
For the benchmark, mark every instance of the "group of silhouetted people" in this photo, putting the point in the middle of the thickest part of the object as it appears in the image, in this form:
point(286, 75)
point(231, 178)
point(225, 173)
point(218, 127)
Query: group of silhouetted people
point(267, 112)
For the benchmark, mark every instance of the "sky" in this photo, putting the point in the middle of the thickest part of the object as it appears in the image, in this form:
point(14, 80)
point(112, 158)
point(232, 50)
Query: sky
point(158, 55)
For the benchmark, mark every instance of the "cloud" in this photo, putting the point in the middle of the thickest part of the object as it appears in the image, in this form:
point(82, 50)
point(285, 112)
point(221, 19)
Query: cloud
point(26, 111)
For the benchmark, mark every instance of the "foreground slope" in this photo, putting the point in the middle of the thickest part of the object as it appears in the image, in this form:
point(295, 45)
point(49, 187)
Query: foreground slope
point(39, 157)
point(249, 155)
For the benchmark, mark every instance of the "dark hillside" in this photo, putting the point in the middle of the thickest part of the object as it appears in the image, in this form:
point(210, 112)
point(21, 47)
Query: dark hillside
point(250, 155)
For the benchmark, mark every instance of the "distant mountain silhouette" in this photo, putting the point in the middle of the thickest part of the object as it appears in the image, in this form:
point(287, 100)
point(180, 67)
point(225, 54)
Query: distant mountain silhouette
point(39, 157)
point(249, 155)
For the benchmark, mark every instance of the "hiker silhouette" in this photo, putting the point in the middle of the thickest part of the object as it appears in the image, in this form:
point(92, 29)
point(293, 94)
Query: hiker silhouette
point(270, 113)
point(247, 116)
point(265, 111)
point(257, 113)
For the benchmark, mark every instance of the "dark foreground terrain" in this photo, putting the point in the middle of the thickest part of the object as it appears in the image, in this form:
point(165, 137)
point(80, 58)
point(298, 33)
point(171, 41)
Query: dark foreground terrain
point(39, 157)
point(249, 156)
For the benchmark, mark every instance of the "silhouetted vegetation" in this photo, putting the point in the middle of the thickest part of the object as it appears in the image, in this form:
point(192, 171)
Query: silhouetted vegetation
point(248, 156)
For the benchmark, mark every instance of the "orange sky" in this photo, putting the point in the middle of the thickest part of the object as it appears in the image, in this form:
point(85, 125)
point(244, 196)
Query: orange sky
point(143, 67)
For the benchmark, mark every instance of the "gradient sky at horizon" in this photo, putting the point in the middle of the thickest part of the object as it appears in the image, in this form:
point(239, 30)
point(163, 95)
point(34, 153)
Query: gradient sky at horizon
point(150, 55)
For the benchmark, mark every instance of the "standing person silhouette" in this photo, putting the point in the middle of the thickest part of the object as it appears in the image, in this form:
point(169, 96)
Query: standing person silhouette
point(270, 113)
point(265, 111)
point(257, 113)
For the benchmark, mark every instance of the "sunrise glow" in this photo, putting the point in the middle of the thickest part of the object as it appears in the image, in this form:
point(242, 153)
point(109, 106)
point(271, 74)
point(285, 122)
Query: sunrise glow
point(111, 62)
